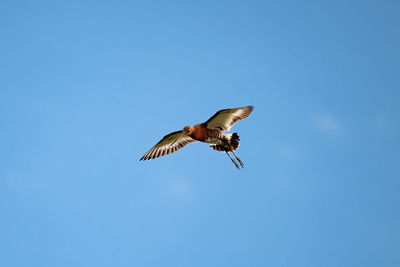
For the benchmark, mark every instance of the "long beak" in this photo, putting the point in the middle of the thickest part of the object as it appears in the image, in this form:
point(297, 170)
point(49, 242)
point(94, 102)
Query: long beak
point(179, 137)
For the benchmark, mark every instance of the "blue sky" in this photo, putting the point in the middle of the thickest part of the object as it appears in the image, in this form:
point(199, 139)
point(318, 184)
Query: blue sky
point(87, 87)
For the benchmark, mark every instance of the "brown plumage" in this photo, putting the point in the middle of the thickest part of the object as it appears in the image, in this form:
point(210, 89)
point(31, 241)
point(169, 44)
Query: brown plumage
point(210, 132)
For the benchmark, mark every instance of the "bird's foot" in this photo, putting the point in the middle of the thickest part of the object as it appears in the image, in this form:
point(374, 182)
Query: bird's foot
point(234, 162)
point(238, 159)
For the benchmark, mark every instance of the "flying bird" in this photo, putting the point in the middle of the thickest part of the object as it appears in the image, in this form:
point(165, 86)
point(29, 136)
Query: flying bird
point(211, 131)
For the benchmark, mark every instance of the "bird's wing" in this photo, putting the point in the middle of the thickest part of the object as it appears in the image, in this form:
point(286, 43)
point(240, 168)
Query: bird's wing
point(224, 119)
point(163, 147)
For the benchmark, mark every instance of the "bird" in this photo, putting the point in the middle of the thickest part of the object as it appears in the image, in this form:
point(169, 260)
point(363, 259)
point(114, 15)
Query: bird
point(211, 131)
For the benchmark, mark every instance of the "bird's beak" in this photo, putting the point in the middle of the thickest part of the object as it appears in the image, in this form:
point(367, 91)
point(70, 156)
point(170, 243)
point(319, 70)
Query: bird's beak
point(179, 137)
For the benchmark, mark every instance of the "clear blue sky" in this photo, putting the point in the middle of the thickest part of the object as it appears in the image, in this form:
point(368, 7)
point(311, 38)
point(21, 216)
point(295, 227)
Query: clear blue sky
point(87, 87)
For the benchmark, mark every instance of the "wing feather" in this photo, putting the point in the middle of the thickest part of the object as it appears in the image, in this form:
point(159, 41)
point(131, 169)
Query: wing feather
point(224, 119)
point(163, 147)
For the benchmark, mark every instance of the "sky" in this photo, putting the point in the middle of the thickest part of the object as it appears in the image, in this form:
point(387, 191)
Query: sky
point(88, 87)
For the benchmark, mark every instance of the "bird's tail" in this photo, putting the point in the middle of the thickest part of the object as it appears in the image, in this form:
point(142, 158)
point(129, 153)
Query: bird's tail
point(231, 144)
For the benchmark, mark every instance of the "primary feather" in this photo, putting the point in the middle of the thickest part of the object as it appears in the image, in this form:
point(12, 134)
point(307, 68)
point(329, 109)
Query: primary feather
point(224, 119)
point(163, 147)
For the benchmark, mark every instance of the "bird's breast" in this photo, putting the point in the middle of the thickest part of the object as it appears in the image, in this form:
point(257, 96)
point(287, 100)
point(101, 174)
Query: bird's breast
point(199, 133)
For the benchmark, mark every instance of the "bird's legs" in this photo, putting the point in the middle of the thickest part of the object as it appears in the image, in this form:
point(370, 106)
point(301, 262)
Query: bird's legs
point(240, 162)
point(234, 162)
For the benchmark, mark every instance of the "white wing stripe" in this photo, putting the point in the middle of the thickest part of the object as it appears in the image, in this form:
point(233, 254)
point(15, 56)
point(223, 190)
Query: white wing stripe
point(163, 147)
point(224, 119)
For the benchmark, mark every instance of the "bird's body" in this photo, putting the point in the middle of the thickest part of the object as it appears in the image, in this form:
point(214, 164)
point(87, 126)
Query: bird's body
point(210, 132)
point(201, 133)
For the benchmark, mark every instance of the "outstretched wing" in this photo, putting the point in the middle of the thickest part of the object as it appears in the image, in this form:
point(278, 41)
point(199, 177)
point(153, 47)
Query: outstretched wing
point(224, 119)
point(164, 146)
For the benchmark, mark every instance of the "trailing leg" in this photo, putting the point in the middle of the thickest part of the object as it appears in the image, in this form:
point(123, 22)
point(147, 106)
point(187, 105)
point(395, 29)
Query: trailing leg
point(234, 162)
point(240, 162)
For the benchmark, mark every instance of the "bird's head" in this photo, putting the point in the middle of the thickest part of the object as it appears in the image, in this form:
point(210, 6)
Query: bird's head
point(187, 130)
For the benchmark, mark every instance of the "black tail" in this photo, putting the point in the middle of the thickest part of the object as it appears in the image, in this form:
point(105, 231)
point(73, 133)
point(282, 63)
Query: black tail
point(231, 144)
point(234, 141)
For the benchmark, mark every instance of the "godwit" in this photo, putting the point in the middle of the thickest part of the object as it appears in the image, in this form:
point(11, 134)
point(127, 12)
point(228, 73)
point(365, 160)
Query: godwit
point(210, 132)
